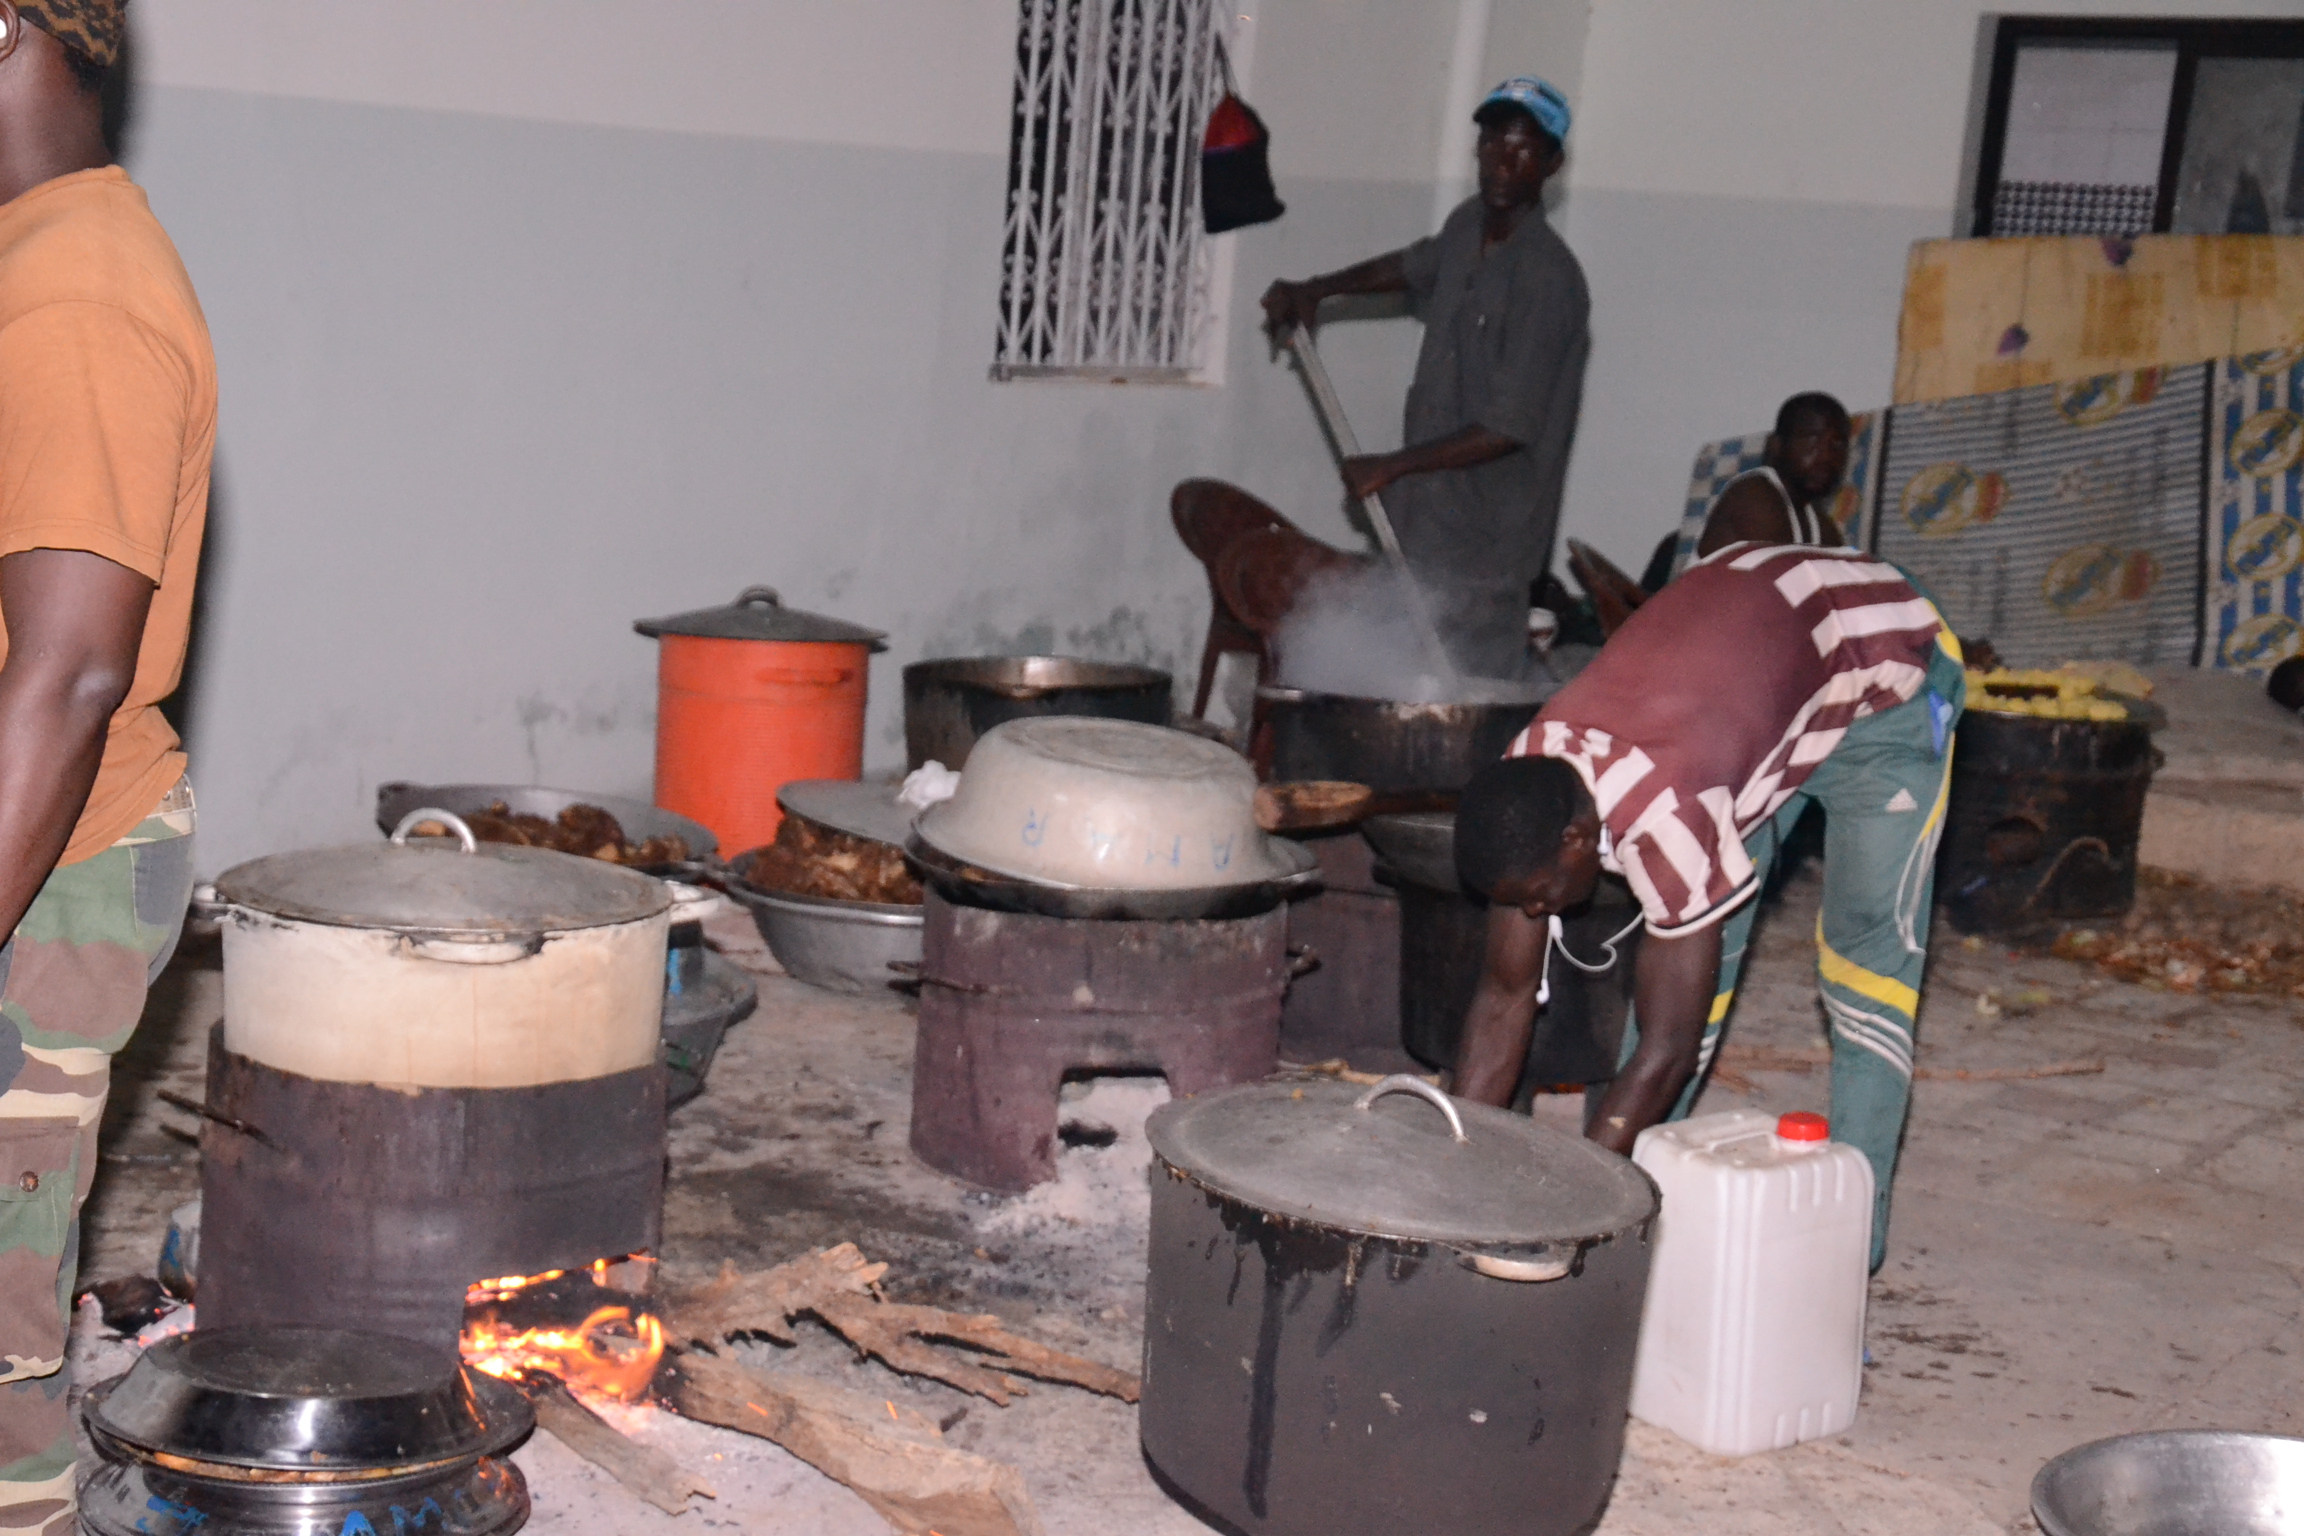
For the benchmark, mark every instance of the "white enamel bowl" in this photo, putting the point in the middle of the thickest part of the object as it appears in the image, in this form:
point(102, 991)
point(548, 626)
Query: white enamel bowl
point(1106, 804)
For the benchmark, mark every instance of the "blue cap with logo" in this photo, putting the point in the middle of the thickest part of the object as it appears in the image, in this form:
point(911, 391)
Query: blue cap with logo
point(1540, 99)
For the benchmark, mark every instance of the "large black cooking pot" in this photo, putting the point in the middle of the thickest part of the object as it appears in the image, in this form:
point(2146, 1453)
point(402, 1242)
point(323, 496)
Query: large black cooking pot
point(951, 701)
point(1372, 1315)
point(1393, 745)
point(2044, 820)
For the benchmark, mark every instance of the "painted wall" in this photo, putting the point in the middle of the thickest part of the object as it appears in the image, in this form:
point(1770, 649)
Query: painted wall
point(1744, 185)
point(532, 321)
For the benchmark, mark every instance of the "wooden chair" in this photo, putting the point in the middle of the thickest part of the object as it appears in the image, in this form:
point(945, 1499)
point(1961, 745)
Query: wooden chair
point(1209, 515)
point(1258, 564)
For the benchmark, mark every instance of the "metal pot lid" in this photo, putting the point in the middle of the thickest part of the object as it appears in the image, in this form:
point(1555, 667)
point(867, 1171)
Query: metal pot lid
point(869, 811)
point(1381, 1162)
point(307, 1399)
point(759, 614)
point(444, 887)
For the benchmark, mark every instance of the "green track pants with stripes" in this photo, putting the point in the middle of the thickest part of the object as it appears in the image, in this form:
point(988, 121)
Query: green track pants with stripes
point(1883, 791)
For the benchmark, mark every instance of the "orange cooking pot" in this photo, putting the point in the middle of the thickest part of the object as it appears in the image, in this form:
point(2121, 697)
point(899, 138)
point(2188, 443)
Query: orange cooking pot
point(749, 697)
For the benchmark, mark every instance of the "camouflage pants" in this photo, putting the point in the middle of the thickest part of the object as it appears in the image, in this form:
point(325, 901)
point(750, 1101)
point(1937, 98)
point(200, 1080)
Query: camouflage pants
point(72, 985)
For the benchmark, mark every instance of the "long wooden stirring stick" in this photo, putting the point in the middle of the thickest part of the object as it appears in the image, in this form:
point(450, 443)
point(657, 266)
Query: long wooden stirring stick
point(1347, 445)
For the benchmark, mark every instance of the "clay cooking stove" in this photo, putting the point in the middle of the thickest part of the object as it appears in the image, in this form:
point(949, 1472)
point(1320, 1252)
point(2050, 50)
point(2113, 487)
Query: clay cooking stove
point(1012, 1003)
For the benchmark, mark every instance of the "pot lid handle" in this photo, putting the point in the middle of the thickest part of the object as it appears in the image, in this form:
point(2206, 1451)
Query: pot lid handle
point(448, 819)
point(752, 596)
point(1401, 1082)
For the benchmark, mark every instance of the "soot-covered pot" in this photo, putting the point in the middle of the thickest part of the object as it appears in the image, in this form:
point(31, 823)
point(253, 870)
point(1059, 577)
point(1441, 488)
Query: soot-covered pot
point(1369, 1314)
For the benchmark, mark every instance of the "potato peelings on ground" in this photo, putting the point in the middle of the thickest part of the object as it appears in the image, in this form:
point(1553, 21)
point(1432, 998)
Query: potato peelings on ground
point(2183, 936)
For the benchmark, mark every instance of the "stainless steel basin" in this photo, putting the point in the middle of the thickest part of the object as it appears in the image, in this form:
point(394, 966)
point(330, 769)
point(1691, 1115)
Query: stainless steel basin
point(2199, 1482)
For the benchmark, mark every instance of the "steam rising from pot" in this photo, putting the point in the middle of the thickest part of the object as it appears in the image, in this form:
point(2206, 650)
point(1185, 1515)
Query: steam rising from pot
point(1358, 633)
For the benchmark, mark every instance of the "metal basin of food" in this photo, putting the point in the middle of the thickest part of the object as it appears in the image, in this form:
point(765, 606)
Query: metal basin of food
point(1392, 745)
point(950, 702)
point(640, 820)
point(841, 946)
point(2186, 1482)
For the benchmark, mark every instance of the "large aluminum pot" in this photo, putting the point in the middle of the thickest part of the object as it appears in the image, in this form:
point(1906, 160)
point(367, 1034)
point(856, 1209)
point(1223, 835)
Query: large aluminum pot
point(1395, 746)
point(1368, 1314)
point(443, 963)
point(950, 702)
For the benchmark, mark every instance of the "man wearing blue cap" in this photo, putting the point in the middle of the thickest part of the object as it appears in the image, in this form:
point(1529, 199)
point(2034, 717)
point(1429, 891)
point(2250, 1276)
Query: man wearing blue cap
point(1475, 494)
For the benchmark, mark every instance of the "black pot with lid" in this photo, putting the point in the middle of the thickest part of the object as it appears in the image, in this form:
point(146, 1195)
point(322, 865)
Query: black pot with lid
point(1371, 1314)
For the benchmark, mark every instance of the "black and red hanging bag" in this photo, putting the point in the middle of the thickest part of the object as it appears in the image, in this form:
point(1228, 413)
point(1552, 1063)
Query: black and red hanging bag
point(1235, 167)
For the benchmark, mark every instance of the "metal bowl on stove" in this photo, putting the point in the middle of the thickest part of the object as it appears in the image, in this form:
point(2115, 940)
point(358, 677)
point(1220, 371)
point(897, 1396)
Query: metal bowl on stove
point(958, 881)
point(2185, 1482)
point(305, 1400)
point(1419, 845)
point(1106, 805)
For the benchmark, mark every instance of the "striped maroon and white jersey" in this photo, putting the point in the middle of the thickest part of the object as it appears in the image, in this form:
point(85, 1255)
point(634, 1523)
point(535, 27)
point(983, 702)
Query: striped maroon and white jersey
point(1712, 704)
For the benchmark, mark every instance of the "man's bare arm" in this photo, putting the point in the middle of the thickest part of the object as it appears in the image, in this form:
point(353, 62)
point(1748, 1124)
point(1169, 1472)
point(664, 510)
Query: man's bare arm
point(75, 623)
point(1672, 986)
point(1748, 510)
point(1288, 305)
point(1494, 1045)
point(1368, 474)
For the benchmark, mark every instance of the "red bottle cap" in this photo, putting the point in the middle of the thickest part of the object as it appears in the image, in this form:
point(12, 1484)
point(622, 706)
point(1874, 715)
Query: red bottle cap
point(1801, 1125)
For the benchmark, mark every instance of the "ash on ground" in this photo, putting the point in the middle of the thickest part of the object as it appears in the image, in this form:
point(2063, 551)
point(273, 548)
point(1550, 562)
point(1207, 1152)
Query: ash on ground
point(1091, 1217)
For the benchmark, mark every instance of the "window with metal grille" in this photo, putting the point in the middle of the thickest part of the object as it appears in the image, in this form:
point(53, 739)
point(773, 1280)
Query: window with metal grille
point(1105, 269)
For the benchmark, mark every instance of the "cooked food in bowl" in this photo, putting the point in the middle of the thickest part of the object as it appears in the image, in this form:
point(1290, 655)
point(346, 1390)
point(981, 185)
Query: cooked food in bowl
point(1106, 804)
point(809, 859)
point(585, 830)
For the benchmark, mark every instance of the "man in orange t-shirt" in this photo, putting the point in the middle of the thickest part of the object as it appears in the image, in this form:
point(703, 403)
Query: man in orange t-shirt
point(107, 422)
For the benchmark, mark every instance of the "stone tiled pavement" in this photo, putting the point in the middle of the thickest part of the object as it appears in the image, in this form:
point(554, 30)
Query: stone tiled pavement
point(2071, 1256)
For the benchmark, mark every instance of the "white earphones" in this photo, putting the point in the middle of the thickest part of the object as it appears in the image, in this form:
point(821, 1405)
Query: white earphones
point(1555, 939)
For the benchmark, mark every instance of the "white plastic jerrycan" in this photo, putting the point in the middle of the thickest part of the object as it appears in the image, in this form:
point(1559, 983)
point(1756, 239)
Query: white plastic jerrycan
point(1753, 1339)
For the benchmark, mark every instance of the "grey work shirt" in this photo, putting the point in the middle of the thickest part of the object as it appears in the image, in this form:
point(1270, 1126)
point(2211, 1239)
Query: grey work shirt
point(1505, 339)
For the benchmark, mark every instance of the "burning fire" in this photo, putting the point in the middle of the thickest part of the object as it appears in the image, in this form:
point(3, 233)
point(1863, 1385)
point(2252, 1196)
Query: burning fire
point(612, 1353)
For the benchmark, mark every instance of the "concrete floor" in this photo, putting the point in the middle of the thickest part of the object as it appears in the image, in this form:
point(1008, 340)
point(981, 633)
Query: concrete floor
point(2071, 1257)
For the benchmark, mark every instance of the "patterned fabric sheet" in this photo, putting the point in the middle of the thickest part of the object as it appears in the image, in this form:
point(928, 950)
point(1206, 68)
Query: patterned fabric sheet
point(2252, 601)
point(1718, 463)
point(2063, 520)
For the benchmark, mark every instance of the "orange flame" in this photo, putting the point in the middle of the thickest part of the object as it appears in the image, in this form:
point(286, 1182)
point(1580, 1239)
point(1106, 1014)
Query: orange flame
point(611, 1354)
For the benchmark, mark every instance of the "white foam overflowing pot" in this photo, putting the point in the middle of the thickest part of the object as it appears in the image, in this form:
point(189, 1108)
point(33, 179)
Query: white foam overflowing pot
point(443, 963)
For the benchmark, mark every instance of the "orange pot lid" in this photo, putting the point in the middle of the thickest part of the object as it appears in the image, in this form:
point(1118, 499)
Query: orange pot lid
point(759, 614)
